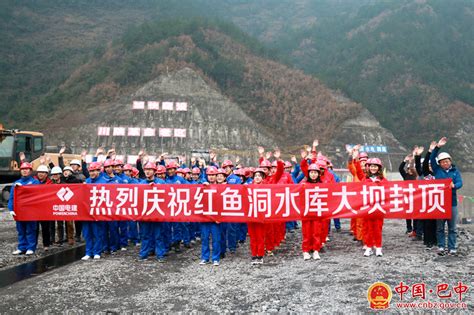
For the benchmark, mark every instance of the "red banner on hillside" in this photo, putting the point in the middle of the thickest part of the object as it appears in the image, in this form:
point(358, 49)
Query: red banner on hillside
point(234, 203)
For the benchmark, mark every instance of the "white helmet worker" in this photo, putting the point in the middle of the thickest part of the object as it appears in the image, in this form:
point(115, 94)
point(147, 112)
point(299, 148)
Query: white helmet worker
point(443, 156)
point(56, 170)
point(75, 162)
point(42, 169)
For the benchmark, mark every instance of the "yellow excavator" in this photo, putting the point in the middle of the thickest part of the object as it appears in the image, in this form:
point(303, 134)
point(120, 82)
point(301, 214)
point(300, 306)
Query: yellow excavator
point(12, 144)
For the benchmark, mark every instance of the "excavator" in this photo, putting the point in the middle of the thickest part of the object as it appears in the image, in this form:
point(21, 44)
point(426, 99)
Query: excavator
point(13, 144)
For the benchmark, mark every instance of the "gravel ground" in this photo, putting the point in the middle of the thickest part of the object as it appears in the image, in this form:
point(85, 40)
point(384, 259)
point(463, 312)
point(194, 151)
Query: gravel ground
point(285, 283)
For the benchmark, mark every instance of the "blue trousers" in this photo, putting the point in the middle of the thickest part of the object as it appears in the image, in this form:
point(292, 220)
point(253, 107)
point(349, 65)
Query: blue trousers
point(27, 235)
point(186, 233)
point(223, 228)
point(123, 233)
point(110, 236)
point(152, 239)
point(177, 234)
point(452, 231)
point(133, 232)
point(208, 230)
point(167, 234)
point(232, 236)
point(242, 231)
point(92, 232)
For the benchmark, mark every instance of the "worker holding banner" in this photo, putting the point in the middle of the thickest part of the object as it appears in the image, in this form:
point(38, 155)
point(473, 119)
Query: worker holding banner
point(443, 167)
point(27, 230)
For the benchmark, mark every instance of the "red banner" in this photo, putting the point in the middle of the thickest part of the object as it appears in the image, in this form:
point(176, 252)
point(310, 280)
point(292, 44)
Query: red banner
point(234, 203)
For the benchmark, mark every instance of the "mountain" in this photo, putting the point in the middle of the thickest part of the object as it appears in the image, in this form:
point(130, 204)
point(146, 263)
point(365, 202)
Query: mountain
point(255, 100)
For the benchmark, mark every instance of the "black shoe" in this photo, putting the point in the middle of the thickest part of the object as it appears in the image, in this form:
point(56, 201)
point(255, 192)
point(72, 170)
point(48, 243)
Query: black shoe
point(177, 249)
point(408, 231)
point(222, 255)
point(187, 246)
point(241, 242)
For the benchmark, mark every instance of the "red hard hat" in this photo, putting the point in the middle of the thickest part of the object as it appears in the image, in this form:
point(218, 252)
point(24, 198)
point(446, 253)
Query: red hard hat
point(127, 167)
point(221, 171)
point(227, 163)
point(108, 163)
point(259, 170)
point(265, 163)
point(179, 170)
point(95, 166)
point(274, 164)
point(26, 165)
point(322, 164)
point(172, 164)
point(211, 170)
point(239, 172)
point(314, 167)
point(363, 156)
point(150, 166)
point(375, 161)
point(186, 170)
point(160, 169)
point(118, 162)
point(248, 172)
point(288, 164)
point(135, 172)
point(196, 171)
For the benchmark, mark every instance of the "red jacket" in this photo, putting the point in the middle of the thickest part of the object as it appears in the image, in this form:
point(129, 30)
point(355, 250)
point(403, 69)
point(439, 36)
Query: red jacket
point(48, 180)
point(275, 178)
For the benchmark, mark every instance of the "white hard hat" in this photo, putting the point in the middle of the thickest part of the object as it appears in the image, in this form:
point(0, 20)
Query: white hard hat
point(56, 170)
point(68, 168)
point(75, 162)
point(42, 169)
point(443, 156)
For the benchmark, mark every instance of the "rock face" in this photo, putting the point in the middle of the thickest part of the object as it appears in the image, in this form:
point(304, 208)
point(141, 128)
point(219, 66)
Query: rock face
point(366, 130)
point(211, 121)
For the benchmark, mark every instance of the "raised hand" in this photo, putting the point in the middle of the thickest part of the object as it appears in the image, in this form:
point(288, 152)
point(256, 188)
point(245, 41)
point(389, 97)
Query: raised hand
point(268, 155)
point(277, 154)
point(261, 150)
point(99, 151)
point(293, 159)
point(442, 141)
point(419, 151)
point(62, 150)
point(303, 154)
point(315, 143)
point(349, 149)
point(433, 145)
point(237, 160)
point(83, 155)
point(22, 156)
